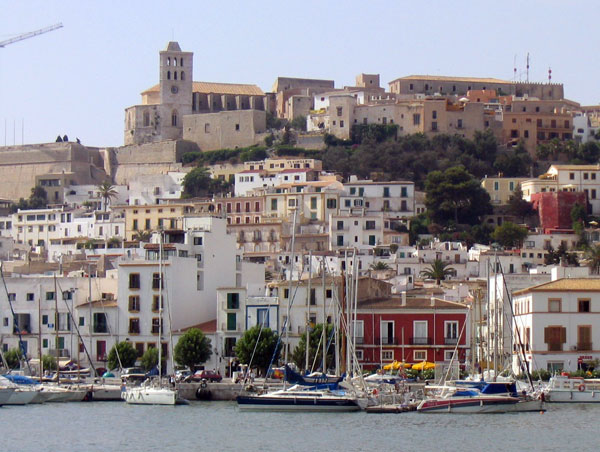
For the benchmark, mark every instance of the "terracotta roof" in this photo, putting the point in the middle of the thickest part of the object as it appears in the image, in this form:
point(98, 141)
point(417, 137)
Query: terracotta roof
point(450, 78)
point(411, 303)
point(218, 88)
point(565, 285)
point(296, 170)
point(206, 327)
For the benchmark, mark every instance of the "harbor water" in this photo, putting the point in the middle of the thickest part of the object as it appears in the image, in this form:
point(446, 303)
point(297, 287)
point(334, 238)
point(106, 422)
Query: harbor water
point(219, 426)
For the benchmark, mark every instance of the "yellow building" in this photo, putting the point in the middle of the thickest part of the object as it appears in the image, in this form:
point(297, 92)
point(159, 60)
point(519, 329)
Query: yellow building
point(311, 200)
point(500, 188)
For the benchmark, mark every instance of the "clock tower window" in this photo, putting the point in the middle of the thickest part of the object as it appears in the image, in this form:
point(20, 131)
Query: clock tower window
point(168, 75)
point(174, 75)
point(182, 75)
point(174, 118)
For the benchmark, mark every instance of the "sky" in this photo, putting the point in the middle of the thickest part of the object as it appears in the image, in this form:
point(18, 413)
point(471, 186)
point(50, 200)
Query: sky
point(79, 79)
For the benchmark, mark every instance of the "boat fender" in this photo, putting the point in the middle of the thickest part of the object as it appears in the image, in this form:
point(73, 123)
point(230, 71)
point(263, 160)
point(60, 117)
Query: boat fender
point(581, 387)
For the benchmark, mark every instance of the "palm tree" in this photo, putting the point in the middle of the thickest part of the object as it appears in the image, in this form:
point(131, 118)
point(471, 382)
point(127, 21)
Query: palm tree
point(107, 192)
point(379, 266)
point(592, 256)
point(438, 270)
point(142, 236)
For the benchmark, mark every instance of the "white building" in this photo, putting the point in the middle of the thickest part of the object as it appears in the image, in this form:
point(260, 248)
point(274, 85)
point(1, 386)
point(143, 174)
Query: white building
point(151, 188)
point(77, 196)
point(394, 199)
point(558, 323)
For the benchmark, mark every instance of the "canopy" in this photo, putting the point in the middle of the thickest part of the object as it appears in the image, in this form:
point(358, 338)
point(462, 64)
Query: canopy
point(423, 366)
point(396, 365)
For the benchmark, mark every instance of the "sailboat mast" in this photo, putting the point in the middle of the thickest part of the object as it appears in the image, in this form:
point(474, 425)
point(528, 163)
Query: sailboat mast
point(159, 345)
point(40, 333)
point(287, 321)
point(324, 329)
point(56, 331)
point(308, 309)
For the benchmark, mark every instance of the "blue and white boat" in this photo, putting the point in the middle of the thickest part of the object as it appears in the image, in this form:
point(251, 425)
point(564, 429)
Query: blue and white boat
point(299, 398)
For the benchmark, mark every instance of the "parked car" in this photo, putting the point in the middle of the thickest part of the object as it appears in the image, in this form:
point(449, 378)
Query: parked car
point(132, 374)
point(208, 375)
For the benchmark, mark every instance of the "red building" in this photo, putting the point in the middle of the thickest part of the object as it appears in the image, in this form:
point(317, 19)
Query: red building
point(554, 209)
point(411, 330)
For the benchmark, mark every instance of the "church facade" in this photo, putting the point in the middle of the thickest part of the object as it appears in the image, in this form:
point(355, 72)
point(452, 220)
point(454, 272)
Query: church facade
point(174, 109)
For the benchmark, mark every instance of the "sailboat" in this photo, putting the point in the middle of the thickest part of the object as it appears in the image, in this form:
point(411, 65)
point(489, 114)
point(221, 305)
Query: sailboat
point(154, 391)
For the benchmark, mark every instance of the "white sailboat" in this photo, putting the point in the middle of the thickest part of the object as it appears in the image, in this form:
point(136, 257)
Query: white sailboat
point(154, 392)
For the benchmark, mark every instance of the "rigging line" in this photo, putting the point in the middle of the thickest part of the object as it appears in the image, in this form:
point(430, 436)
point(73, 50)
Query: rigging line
point(520, 342)
point(252, 356)
point(455, 351)
point(15, 320)
point(74, 325)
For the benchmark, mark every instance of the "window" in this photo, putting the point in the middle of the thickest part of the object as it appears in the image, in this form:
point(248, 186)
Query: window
point(139, 348)
point(554, 305)
point(100, 325)
point(341, 123)
point(420, 333)
point(134, 303)
point(313, 297)
point(459, 124)
point(135, 225)
point(207, 128)
point(12, 297)
point(387, 355)
point(584, 337)
point(419, 355)
point(50, 296)
point(29, 296)
point(291, 202)
point(134, 326)
point(339, 111)
point(157, 326)
point(328, 293)
point(416, 119)
point(434, 114)
point(403, 192)
point(286, 293)
point(332, 203)
point(313, 202)
point(233, 301)
point(448, 355)
point(450, 332)
point(369, 225)
point(387, 332)
point(134, 280)
point(156, 281)
point(231, 321)
point(262, 317)
point(434, 125)
point(583, 305)
point(273, 204)
point(155, 301)
point(572, 176)
point(174, 118)
point(197, 240)
point(555, 336)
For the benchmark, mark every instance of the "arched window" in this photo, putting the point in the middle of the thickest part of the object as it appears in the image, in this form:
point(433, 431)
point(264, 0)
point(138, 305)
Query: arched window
point(181, 61)
point(174, 118)
point(174, 75)
point(168, 75)
point(168, 61)
point(146, 119)
point(174, 61)
point(182, 75)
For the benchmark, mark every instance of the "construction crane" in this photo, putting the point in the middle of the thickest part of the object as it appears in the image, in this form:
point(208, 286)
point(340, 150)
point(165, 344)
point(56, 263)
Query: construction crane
point(31, 34)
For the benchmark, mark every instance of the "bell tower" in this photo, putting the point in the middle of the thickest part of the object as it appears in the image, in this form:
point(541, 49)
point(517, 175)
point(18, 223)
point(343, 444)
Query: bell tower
point(176, 79)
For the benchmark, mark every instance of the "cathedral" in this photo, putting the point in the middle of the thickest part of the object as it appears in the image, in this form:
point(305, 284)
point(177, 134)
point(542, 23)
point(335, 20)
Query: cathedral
point(214, 115)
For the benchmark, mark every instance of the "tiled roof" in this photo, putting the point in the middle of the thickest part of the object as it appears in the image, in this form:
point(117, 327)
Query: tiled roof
point(446, 78)
point(565, 285)
point(411, 303)
point(219, 88)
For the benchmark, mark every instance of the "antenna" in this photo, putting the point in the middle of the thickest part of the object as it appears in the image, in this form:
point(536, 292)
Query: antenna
point(527, 67)
point(515, 68)
point(549, 75)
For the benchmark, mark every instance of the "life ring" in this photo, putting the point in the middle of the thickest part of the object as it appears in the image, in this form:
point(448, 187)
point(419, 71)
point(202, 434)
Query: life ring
point(581, 387)
point(375, 391)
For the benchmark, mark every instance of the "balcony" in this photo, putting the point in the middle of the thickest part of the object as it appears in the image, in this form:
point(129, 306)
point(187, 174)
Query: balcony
point(225, 327)
point(415, 340)
point(584, 346)
point(450, 340)
point(555, 347)
point(386, 340)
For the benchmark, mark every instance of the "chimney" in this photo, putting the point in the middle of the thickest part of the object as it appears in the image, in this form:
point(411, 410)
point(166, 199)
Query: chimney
point(403, 298)
point(432, 300)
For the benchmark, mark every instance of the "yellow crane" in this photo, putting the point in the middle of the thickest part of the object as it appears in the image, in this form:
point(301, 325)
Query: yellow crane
point(30, 34)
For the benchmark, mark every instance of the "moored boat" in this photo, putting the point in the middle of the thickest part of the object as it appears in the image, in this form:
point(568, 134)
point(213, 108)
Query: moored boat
point(565, 389)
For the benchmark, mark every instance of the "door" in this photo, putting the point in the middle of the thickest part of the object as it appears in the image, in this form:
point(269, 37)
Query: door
point(101, 350)
point(420, 332)
point(387, 332)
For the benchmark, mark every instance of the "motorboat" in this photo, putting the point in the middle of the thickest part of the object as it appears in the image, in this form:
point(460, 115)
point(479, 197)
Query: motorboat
point(5, 394)
point(151, 392)
point(301, 398)
point(492, 397)
point(56, 393)
point(566, 389)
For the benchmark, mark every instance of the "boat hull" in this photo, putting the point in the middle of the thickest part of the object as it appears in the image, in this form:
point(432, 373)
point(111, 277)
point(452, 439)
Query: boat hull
point(149, 396)
point(558, 396)
point(473, 405)
point(262, 403)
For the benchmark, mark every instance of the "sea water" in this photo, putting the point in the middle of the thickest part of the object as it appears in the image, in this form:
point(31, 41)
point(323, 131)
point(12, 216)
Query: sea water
point(219, 426)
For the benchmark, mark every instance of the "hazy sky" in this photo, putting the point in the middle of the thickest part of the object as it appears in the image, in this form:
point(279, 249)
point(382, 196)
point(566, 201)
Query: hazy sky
point(79, 79)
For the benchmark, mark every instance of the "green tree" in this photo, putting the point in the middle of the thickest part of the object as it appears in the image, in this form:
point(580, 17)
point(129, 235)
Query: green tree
point(438, 270)
point(107, 191)
point(299, 123)
point(196, 183)
point(519, 207)
point(127, 354)
point(263, 352)
point(49, 362)
point(193, 348)
point(514, 162)
point(455, 195)
point(510, 235)
point(315, 348)
point(149, 359)
point(142, 236)
point(592, 256)
point(13, 357)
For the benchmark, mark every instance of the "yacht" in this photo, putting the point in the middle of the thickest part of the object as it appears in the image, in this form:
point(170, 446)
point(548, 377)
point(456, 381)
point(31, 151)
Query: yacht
point(565, 389)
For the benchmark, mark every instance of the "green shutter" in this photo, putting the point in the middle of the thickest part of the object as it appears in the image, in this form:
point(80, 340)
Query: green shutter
point(231, 321)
